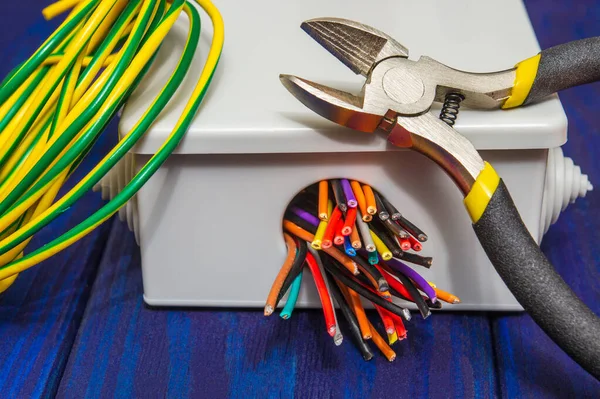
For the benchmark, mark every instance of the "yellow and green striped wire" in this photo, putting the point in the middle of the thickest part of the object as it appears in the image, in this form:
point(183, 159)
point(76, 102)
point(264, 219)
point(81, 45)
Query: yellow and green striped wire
point(54, 106)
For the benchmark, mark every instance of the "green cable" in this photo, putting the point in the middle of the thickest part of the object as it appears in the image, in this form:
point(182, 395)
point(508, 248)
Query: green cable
point(33, 115)
point(290, 303)
point(125, 145)
point(83, 142)
point(136, 183)
point(23, 98)
point(75, 128)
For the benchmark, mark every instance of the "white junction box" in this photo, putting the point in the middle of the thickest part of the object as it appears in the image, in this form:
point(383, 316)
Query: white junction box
point(209, 222)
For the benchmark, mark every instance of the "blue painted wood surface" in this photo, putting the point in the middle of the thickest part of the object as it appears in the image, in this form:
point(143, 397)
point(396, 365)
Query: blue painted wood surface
point(77, 325)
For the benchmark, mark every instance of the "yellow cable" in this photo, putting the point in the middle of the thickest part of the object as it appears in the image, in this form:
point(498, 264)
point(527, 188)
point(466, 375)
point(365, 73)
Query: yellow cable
point(383, 249)
point(211, 62)
point(58, 8)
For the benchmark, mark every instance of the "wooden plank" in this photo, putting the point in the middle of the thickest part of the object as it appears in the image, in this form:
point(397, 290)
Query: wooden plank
point(529, 363)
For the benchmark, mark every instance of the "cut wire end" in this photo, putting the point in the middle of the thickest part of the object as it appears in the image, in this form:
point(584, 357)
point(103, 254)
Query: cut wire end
point(331, 331)
point(338, 338)
point(344, 275)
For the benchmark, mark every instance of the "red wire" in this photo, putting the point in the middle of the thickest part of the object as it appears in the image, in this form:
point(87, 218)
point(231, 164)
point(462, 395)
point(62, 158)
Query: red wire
point(388, 322)
point(331, 226)
point(399, 324)
point(349, 223)
point(415, 244)
point(404, 244)
point(339, 237)
point(323, 294)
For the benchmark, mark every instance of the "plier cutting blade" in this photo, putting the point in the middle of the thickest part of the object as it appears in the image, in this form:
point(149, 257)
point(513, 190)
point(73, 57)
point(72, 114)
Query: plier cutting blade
point(397, 97)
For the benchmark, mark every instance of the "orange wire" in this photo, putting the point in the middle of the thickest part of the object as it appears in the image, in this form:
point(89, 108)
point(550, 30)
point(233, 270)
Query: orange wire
point(360, 198)
point(382, 345)
point(445, 296)
point(283, 272)
point(324, 296)
point(334, 252)
point(370, 199)
point(323, 198)
point(355, 239)
point(353, 299)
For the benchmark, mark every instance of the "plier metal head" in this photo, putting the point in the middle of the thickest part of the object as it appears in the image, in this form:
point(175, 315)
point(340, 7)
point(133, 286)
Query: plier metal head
point(398, 94)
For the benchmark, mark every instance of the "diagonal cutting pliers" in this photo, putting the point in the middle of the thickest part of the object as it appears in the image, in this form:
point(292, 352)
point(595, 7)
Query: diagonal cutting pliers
point(397, 98)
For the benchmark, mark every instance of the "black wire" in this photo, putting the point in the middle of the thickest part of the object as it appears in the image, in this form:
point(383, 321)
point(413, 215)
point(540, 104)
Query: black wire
point(298, 221)
point(362, 291)
point(390, 208)
point(312, 189)
point(372, 270)
point(338, 193)
point(424, 261)
point(295, 269)
point(305, 202)
point(398, 295)
point(437, 305)
point(412, 229)
point(381, 210)
point(395, 229)
point(387, 238)
point(335, 292)
point(413, 291)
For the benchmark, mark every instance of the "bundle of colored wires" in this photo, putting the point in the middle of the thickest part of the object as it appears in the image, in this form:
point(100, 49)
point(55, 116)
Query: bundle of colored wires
point(55, 105)
point(355, 244)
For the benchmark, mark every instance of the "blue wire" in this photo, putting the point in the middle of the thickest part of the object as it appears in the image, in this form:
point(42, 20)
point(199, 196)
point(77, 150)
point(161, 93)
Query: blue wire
point(286, 313)
point(348, 247)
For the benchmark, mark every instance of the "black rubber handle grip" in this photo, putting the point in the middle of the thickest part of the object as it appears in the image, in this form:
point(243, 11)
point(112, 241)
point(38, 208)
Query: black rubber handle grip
point(536, 285)
point(566, 65)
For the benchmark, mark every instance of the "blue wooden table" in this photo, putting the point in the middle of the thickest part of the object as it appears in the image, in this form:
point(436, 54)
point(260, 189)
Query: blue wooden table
point(76, 326)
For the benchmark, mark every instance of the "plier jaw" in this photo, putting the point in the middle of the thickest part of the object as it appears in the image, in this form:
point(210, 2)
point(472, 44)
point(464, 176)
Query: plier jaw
point(398, 93)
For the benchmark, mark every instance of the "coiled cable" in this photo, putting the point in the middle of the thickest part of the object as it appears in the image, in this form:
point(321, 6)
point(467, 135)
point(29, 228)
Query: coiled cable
point(54, 106)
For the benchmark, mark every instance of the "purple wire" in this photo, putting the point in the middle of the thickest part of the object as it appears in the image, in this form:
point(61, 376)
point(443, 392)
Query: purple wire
point(310, 218)
point(352, 203)
point(414, 276)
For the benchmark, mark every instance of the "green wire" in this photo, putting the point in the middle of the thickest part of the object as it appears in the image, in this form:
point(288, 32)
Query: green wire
point(125, 145)
point(290, 304)
point(23, 98)
point(75, 128)
point(80, 145)
point(139, 180)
